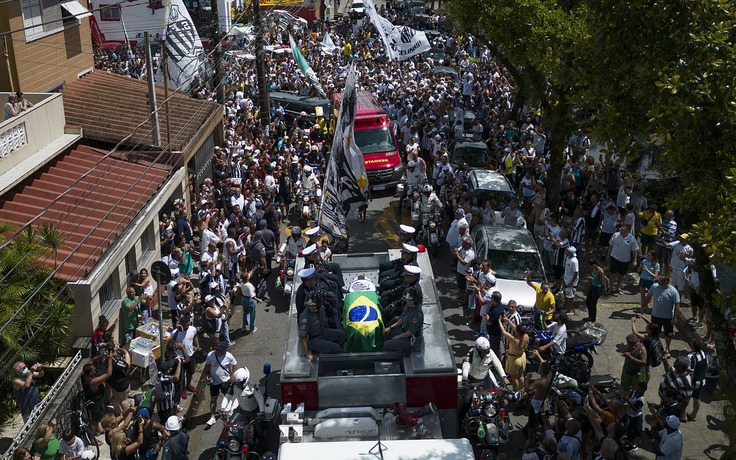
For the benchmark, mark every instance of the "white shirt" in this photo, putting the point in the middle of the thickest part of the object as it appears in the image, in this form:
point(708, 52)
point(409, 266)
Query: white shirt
point(247, 289)
point(208, 236)
point(623, 246)
point(187, 338)
point(467, 255)
point(678, 249)
point(560, 336)
point(220, 373)
point(571, 268)
point(453, 234)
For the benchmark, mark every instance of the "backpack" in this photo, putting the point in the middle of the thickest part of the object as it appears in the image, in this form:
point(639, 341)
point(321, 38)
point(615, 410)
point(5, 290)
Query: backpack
point(655, 352)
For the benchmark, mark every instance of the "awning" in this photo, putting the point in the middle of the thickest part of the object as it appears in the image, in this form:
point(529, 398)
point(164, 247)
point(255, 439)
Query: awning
point(74, 8)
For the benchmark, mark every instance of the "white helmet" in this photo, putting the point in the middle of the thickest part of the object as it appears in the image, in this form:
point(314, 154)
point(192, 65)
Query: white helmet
point(482, 344)
point(243, 374)
point(307, 169)
point(173, 423)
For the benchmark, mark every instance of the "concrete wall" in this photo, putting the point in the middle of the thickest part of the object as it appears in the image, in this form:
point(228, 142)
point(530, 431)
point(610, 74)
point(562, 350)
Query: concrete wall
point(112, 264)
point(42, 124)
point(46, 62)
point(136, 15)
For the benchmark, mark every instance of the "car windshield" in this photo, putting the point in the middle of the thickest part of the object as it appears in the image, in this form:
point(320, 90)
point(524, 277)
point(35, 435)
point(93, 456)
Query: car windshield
point(374, 140)
point(499, 198)
point(472, 156)
point(512, 265)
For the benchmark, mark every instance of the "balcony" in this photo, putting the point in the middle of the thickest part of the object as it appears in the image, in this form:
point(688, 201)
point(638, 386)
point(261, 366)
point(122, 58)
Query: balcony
point(31, 139)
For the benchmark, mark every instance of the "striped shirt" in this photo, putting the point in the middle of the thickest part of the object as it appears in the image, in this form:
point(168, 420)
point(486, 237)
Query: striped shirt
point(682, 383)
point(698, 367)
point(667, 230)
point(578, 230)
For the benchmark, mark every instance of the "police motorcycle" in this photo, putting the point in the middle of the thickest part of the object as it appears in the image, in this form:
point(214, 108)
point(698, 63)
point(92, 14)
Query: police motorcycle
point(286, 262)
point(430, 232)
point(245, 437)
point(485, 415)
point(308, 199)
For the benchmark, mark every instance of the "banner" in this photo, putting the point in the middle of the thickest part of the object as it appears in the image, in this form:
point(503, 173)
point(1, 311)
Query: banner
point(346, 182)
point(185, 52)
point(304, 67)
point(363, 322)
point(401, 42)
point(328, 46)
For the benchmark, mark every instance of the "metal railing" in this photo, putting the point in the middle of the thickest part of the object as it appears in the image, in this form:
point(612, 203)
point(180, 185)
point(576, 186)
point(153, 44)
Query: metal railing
point(59, 402)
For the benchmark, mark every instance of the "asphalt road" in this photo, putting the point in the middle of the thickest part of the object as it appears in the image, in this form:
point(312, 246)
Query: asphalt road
point(703, 439)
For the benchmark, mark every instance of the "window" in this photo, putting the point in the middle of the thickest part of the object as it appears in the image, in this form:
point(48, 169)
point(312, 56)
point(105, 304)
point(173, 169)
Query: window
point(110, 12)
point(109, 293)
point(147, 240)
point(72, 12)
point(130, 262)
point(32, 17)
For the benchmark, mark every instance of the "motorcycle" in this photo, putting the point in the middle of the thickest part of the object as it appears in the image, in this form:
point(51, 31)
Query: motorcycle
point(247, 440)
point(581, 343)
point(487, 423)
point(308, 200)
point(430, 233)
point(285, 280)
point(415, 200)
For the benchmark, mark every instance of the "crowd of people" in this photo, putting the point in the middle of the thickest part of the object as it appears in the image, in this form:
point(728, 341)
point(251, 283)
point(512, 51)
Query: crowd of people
point(221, 249)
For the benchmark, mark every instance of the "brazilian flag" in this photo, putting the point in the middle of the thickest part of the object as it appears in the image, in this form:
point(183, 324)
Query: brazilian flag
point(363, 322)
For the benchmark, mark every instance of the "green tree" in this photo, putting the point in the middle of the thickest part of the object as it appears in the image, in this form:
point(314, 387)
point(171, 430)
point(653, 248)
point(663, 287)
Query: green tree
point(35, 310)
point(537, 41)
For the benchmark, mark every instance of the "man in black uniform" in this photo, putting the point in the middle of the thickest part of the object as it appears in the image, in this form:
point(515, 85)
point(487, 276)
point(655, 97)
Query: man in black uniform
point(405, 334)
point(406, 234)
point(314, 333)
point(312, 282)
point(410, 279)
point(393, 269)
point(327, 270)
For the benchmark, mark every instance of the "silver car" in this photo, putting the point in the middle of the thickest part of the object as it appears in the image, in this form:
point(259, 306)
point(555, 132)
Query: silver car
point(511, 251)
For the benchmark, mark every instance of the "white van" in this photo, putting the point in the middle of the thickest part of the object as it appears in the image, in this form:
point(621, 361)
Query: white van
point(435, 449)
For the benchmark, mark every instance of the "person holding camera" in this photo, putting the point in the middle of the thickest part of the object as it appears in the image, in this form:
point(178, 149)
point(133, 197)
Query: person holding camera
point(25, 390)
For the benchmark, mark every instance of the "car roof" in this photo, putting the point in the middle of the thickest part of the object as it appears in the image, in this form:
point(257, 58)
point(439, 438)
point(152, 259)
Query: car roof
point(490, 180)
point(445, 69)
point(472, 145)
point(507, 238)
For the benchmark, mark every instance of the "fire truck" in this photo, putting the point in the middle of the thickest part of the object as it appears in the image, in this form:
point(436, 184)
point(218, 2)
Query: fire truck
point(372, 395)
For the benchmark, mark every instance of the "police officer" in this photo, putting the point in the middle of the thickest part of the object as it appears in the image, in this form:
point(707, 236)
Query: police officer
point(406, 234)
point(246, 399)
point(327, 270)
point(405, 334)
point(312, 235)
point(393, 269)
point(311, 282)
point(479, 365)
point(410, 278)
point(314, 334)
point(295, 243)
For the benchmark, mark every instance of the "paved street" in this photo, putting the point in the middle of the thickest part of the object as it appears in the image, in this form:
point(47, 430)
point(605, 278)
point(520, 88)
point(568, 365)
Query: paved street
point(704, 438)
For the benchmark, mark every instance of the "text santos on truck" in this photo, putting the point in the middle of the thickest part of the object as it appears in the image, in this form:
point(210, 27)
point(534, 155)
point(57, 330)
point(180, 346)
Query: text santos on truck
point(375, 137)
point(364, 395)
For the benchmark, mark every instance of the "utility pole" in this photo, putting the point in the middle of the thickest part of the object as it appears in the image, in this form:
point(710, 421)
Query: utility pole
point(165, 56)
point(7, 63)
point(261, 68)
point(155, 129)
point(215, 39)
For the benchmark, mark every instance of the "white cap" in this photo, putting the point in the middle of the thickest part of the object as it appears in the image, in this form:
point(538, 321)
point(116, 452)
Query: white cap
point(491, 278)
point(213, 284)
point(571, 249)
point(307, 273)
point(409, 248)
point(412, 270)
point(209, 298)
point(407, 229)
point(309, 250)
point(312, 231)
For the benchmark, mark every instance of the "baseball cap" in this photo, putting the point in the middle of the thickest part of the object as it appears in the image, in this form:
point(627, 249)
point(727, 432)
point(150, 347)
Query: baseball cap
point(572, 250)
point(222, 346)
point(143, 412)
point(673, 421)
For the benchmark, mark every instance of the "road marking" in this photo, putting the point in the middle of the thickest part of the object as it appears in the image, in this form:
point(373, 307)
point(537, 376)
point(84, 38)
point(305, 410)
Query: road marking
point(386, 225)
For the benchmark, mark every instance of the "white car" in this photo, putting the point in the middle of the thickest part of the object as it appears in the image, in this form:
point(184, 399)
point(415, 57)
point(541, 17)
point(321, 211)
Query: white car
point(357, 8)
point(511, 251)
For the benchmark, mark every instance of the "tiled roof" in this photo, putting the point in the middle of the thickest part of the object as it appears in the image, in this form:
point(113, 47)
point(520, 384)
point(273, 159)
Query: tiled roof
point(86, 205)
point(110, 106)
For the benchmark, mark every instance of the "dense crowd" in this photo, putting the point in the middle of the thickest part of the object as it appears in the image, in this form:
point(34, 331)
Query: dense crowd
point(221, 248)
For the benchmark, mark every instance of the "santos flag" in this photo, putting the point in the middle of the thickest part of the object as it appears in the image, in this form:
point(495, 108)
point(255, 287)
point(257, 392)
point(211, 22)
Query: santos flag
point(363, 322)
point(184, 48)
point(402, 42)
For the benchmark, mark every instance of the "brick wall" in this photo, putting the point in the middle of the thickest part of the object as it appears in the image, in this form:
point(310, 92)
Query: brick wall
point(49, 61)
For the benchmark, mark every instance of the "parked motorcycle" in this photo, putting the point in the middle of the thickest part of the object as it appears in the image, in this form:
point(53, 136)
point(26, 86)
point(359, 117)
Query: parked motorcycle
point(247, 439)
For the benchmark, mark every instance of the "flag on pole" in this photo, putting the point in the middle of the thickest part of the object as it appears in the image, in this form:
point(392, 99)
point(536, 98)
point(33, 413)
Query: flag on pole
point(401, 42)
point(304, 67)
point(363, 322)
point(328, 46)
point(185, 51)
point(346, 182)
point(131, 56)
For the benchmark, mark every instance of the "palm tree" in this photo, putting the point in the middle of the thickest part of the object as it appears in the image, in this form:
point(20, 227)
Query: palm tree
point(52, 238)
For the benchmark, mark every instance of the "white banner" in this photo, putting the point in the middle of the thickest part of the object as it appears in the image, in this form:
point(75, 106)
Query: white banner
point(328, 46)
point(401, 42)
point(186, 54)
point(346, 182)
